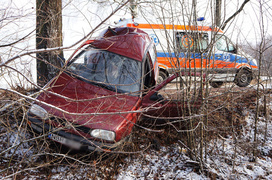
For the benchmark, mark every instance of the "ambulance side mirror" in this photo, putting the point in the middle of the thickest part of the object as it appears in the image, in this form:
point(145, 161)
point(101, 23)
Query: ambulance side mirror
point(235, 51)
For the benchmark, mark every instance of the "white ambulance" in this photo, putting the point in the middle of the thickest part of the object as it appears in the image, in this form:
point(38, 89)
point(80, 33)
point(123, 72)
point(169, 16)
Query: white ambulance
point(192, 49)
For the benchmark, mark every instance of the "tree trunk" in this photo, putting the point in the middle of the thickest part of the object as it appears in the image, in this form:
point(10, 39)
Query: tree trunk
point(133, 8)
point(48, 35)
point(217, 16)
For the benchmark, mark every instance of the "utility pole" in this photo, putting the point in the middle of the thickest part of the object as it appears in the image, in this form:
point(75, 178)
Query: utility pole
point(48, 35)
point(217, 15)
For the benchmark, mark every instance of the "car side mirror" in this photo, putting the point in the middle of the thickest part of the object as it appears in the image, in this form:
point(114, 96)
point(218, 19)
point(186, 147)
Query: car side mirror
point(235, 49)
point(154, 92)
point(156, 97)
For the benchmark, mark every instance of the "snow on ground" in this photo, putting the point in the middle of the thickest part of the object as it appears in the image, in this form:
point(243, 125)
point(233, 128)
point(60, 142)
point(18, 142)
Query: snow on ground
point(227, 163)
point(168, 163)
point(233, 161)
point(228, 157)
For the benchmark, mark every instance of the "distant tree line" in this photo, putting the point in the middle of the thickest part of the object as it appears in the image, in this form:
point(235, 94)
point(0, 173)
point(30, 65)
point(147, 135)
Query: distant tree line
point(261, 49)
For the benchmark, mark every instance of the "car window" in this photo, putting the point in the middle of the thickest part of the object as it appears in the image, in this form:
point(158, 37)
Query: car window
point(117, 72)
point(223, 43)
point(194, 42)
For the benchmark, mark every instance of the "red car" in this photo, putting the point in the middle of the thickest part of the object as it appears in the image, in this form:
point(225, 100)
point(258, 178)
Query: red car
point(94, 103)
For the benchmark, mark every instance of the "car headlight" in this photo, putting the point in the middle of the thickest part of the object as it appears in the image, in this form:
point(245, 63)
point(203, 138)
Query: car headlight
point(38, 111)
point(103, 134)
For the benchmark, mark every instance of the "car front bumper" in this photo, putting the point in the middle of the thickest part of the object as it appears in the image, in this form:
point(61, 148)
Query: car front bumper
point(68, 139)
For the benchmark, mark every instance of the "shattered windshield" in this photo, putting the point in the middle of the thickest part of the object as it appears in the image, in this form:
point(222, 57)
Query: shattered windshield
point(106, 69)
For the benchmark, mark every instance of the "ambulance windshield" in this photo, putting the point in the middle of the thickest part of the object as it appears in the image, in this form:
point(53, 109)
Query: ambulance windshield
point(223, 43)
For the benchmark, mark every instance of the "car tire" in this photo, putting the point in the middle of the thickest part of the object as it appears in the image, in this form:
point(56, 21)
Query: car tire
point(216, 84)
point(243, 78)
point(162, 76)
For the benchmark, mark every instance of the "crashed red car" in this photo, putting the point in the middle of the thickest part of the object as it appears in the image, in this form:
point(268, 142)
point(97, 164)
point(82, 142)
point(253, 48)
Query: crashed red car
point(102, 92)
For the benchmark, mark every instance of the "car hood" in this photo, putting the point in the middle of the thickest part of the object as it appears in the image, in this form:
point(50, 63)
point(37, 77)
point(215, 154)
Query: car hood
point(77, 99)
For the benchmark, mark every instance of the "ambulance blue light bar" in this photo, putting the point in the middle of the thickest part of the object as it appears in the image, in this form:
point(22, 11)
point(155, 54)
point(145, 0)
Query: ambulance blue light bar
point(200, 19)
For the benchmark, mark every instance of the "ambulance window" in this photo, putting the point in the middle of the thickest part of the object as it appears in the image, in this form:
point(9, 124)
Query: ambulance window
point(223, 43)
point(192, 41)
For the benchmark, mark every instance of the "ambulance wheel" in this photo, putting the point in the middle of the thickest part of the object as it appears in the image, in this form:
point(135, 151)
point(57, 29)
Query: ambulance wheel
point(243, 78)
point(162, 76)
point(216, 84)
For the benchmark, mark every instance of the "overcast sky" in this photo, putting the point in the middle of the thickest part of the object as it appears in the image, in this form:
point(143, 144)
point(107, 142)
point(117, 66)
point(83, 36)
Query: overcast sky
point(17, 19)
point(80, 16)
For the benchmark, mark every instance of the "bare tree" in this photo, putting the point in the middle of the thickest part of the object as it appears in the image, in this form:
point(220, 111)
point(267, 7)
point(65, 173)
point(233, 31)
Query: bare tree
point(212, 139)
point(48, 35)
point(218, 6)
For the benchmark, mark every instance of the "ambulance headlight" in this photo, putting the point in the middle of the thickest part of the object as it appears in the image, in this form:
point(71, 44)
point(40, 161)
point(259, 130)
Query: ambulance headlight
point(38, 111)
point(255, 62)
point(103, 134)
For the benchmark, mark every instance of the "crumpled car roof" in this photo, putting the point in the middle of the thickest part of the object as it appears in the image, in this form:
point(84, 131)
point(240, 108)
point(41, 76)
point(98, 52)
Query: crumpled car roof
point(126, 41)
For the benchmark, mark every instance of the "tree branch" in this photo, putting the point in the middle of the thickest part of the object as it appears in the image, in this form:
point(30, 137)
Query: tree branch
point(235, 14)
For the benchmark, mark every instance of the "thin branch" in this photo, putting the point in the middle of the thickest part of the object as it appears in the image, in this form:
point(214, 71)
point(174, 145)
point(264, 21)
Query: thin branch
point(235, 14)
point(10, 44)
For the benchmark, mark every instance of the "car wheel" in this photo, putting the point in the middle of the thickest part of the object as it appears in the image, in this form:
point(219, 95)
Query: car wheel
point(243, 78)
point(216, 84)
point(162, 76)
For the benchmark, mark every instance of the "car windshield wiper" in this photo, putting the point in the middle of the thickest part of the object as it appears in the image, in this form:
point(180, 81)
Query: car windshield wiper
point(103, 85)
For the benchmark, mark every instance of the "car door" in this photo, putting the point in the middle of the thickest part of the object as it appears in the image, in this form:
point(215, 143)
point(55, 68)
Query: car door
point(155, 105)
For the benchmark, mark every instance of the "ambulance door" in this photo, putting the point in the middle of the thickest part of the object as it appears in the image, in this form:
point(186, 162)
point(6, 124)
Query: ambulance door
point(192, 48)
point(225, 55)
